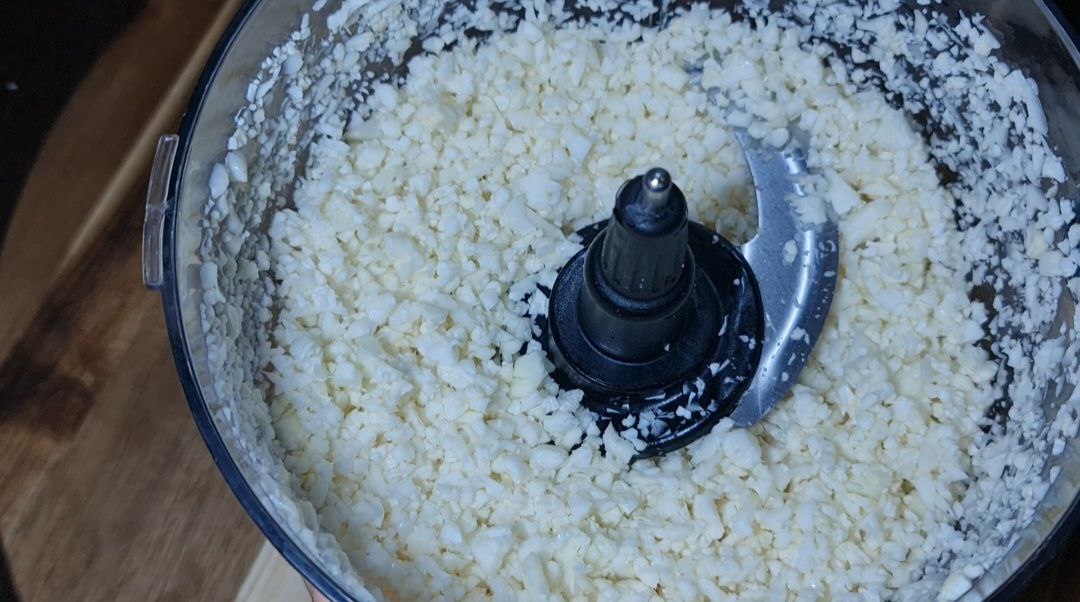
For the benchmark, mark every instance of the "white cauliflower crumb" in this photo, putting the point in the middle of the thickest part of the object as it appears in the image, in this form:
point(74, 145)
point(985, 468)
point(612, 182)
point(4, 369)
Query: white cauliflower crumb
point(956, 585)
point(529, 371)
point(791, 251)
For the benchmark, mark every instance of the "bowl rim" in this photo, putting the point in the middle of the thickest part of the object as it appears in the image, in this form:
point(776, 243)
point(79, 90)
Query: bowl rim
point(308, 569)
point(1051, 545)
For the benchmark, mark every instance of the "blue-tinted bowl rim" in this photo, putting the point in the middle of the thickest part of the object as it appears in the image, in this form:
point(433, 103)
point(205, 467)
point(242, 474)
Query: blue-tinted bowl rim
point(170, 294)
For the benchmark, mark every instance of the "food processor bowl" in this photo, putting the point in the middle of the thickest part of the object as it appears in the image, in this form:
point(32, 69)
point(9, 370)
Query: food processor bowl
point(249, 75)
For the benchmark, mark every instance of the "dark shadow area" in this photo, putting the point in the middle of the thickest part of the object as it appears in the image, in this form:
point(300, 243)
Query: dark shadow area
point(46, 47)
point(7, 587)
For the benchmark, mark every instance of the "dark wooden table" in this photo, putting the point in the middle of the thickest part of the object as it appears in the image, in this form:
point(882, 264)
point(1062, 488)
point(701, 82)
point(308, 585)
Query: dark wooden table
point(107, 491)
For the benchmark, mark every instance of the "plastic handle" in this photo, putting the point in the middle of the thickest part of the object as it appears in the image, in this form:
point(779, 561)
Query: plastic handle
point(157, 202)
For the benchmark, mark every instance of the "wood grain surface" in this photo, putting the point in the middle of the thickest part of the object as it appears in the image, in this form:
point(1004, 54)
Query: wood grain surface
point(108, 493)
point(271, 579)
point(100, 147)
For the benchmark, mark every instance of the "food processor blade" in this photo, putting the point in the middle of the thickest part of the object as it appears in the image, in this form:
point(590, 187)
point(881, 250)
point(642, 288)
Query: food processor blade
point(795, 257)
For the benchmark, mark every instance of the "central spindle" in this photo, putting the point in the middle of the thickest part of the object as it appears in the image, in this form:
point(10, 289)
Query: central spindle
point(639, 271)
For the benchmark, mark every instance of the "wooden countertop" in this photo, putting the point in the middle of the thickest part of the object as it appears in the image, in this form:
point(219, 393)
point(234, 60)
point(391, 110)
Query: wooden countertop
point(108, 492)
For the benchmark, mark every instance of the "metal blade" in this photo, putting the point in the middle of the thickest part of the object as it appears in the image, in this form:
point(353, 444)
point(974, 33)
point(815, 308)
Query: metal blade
point(796, 292)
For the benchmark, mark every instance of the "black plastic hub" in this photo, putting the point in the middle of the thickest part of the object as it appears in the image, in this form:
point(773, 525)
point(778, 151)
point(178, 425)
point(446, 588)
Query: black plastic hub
point(639, 275)
point(658, 320)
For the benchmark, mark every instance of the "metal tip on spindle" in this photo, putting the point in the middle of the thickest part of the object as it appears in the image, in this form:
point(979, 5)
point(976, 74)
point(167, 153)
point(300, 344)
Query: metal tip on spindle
point(656, 186)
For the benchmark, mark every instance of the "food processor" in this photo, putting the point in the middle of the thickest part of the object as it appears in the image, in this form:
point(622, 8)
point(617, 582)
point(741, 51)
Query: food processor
point(657, 316)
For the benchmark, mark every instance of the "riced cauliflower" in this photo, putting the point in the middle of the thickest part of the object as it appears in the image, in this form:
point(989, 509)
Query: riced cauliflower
point(448, 463)
point(412, 408)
